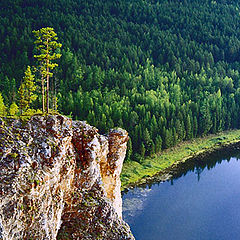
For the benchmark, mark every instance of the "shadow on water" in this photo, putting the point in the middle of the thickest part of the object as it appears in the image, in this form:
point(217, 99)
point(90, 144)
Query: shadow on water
point(196, 164)
point(200, 205)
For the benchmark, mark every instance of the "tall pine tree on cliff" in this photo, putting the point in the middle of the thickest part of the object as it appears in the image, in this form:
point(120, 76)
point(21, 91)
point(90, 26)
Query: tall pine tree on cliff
point(46, 45)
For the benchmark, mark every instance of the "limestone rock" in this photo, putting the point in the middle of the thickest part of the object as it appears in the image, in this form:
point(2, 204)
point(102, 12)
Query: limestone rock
point(112, 166)
point(60, 179)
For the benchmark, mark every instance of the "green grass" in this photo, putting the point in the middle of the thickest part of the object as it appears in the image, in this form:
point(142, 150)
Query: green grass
point(133, 171)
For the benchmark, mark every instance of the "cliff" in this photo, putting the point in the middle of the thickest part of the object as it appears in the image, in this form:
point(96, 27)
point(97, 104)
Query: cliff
point(60, 179)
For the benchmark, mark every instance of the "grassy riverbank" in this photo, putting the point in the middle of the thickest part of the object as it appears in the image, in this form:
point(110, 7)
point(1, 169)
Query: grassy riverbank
point(133, 172)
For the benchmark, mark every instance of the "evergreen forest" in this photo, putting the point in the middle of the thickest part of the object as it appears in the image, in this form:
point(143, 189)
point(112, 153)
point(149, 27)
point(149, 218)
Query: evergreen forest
point(165, 70)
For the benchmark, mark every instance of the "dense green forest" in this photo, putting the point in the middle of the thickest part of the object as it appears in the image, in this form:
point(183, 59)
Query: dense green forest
point(164, 70)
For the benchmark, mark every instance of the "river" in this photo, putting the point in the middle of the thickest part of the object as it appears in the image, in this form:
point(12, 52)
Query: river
point(201, 203)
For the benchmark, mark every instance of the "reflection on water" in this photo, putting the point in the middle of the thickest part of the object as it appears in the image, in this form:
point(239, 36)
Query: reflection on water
point(199, 166)
point(201, 202)
point(135, 204)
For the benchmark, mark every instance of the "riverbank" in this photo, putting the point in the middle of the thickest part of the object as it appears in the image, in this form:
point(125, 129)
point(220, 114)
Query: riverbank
point(162, 166)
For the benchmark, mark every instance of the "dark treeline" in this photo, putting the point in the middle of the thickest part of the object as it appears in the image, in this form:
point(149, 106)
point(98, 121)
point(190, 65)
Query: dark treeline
point(166, 71)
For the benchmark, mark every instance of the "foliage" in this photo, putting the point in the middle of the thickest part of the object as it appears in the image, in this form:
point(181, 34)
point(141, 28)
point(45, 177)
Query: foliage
point(167, 71)
point(27, 90)
point(13, 109)
point(134, 171)
point(46, 45)
point(26, 115)
point(2, 107)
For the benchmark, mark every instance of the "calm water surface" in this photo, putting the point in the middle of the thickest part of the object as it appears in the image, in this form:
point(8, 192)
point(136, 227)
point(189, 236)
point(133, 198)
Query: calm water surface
point(200, 204)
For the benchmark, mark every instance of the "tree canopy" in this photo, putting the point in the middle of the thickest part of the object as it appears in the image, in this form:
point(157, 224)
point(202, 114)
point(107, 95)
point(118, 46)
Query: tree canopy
point(46, 44)
point(166, 71)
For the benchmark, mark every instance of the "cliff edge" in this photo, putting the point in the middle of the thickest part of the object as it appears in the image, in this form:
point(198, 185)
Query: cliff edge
point(60, 179)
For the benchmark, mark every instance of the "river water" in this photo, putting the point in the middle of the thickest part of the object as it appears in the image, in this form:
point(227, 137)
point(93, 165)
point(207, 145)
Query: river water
point(201, 203)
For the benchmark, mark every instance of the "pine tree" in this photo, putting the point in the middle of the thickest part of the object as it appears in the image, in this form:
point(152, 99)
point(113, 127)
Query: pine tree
point(188, 127)
point(158, 145)
point(195, 126)
point(46, 44)
point(152, 148)
point(205, 122)
point(142, 150)
point(168, 139)
point(13, 110)
point(26, 91)
point(129, 150)
point(2, 107)
point(179, 129)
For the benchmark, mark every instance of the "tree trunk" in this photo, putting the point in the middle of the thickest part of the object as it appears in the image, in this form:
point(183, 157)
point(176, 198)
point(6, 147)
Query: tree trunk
point(43, 95)
point(47, 90)
point(54, 96)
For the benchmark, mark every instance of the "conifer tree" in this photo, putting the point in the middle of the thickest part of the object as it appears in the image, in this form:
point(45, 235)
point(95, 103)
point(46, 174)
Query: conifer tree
point(46, 44)
point(2, 107)
point(158, 145)
point(195, 126)
point(129, 150)
point(205, 122)
point(151, 148)
point(168, 138)
point(142, 150)
point(13, 110)
point(188, 128)
point(27, 90)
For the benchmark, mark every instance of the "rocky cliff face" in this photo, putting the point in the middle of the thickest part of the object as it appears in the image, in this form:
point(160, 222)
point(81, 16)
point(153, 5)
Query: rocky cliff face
point(60, 179)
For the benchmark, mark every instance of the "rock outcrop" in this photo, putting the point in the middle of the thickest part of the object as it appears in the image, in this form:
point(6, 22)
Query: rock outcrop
point(60, 179)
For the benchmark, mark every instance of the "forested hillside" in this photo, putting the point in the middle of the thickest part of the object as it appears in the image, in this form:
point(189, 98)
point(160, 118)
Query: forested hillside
point(164, 70)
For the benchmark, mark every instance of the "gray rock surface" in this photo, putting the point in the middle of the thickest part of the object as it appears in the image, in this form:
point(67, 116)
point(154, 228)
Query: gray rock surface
point(60, 179)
